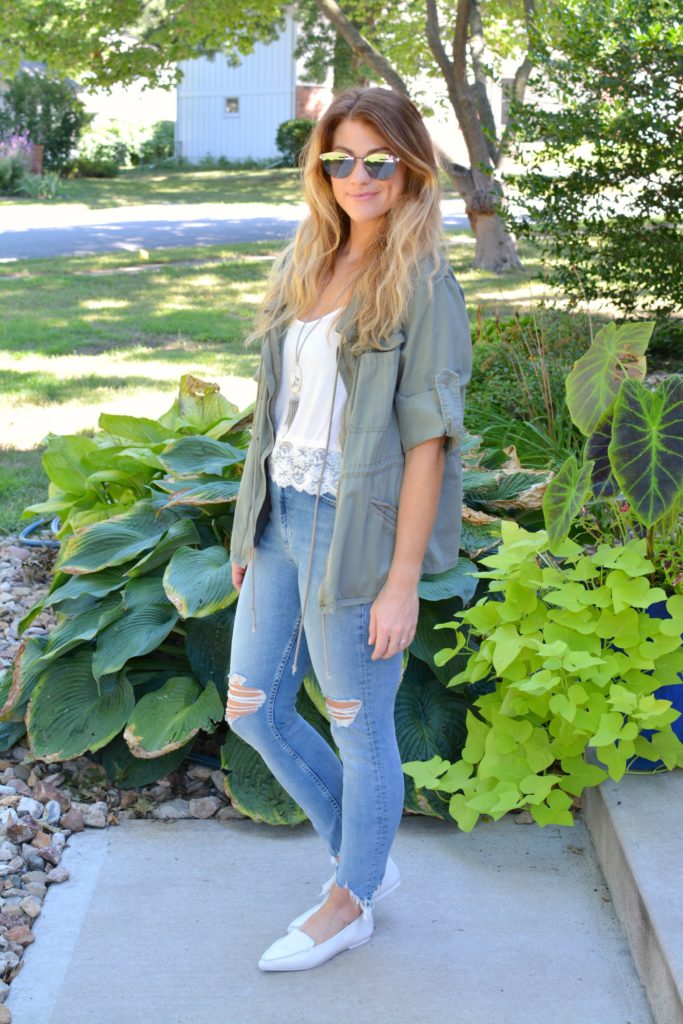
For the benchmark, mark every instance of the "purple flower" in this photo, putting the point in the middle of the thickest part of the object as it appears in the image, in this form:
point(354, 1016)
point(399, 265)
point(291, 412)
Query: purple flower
point(16, 146)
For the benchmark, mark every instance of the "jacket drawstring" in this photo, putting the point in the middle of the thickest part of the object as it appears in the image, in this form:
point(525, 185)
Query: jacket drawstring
point(310, 557)
point(251, 534)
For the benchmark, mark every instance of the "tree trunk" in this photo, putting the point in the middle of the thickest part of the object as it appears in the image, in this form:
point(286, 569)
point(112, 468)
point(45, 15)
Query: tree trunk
point(495, 249)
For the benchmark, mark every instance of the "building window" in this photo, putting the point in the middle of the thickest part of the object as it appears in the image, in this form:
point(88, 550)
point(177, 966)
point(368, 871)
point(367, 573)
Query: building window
point(232, 105)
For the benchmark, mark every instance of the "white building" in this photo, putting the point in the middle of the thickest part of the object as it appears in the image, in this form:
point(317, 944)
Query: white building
point(235, 112)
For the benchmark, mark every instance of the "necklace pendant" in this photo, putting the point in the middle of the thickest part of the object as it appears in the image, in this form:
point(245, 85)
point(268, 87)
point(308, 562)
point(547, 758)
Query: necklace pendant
point(295, 379)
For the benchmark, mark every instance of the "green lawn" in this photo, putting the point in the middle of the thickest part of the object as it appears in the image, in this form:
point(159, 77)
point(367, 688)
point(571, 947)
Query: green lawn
point(79, 335)
point(136, 186)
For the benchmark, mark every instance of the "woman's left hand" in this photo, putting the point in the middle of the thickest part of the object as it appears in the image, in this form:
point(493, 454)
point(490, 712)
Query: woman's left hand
point(393, 618)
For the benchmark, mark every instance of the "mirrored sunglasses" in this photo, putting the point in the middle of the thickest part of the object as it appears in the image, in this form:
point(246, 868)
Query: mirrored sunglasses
point(378, 165)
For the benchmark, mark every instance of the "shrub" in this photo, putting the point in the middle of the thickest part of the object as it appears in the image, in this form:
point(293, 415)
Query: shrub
point(519, 368)
point(39, 186)
point(47, 111)
point(574, 660)
point(291, 136)
point(601, 192)
point(160, 145)
point(109, 141)
point(15, 155)
point(93, 167)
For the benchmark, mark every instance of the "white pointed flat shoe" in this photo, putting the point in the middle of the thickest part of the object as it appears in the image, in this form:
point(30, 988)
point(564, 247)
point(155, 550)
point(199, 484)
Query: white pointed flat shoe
point(391, 881)
point(297, 951)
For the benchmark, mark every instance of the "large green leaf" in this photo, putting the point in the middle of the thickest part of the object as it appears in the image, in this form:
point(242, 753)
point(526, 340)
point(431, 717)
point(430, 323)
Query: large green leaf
point(135, 428)
point(252, 787)
point(180, 533)
point(455, 582)
point(478, 532)
point(20, 682)
point(646, 450)
point(126, 771)
point(145, 455)
point(90, 510)
point(199, 582)
point(93, 584)
point(10, 732)
point(430, 719)
point(207, 645)
point(172, 715)
point(563, 498)
point(83, 627)
point(122, 467)
point(189, 456)
point(203, 492)
point(199, 406)
point(603, 483)
point(148, 617)
point(71, 712)
point(116, 540)
point(63, 461)
point(57, 502)
point(595, 378)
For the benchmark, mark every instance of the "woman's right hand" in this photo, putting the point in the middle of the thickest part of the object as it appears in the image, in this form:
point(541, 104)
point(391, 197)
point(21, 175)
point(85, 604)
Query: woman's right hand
point(238, 572)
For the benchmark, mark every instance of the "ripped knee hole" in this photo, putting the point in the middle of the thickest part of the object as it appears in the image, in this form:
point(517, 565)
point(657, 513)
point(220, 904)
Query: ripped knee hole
point(242, 700)
point(343, 712)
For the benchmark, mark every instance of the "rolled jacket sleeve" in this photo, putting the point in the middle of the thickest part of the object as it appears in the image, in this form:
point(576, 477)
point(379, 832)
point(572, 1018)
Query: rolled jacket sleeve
point(435, 365)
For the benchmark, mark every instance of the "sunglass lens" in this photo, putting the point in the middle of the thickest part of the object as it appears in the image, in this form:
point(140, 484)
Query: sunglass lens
point(338, 165)
point(380, 165)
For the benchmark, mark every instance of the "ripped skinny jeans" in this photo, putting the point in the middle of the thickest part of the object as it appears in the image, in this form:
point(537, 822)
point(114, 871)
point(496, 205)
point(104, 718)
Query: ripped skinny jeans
point(354, 800)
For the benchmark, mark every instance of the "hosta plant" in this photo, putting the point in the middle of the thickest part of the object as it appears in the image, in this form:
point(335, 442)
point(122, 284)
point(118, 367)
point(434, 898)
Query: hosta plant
point(94, 478)
point(571, 659)
point(136, 667)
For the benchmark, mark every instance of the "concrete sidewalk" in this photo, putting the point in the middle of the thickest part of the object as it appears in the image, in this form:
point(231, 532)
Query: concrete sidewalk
point(164, 923)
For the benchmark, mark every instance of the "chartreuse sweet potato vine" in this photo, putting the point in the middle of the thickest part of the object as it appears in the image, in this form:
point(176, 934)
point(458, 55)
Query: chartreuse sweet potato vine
point(574, 658)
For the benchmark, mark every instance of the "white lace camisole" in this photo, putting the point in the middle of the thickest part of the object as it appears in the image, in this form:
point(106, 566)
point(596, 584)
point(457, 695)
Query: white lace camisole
point(297, 456)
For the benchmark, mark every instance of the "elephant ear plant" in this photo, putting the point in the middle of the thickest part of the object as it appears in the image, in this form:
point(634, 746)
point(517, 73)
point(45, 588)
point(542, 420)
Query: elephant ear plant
point(572, 658)
point(633, 458)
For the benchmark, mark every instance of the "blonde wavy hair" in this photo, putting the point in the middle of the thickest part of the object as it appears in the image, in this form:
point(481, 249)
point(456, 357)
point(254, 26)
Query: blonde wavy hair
point(411, 230)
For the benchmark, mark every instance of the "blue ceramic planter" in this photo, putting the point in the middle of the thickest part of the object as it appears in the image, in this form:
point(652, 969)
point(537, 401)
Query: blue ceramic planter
point(672, 692)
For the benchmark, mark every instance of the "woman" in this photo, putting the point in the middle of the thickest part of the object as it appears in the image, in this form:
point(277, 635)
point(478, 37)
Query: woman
point(351, 490)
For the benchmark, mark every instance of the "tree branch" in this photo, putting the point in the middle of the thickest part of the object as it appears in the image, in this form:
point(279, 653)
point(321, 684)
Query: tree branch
point(477, 52)
point(360, 45)
point(519, 84)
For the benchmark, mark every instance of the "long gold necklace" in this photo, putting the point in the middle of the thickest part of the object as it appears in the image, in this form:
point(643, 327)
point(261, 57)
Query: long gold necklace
point(296, 376)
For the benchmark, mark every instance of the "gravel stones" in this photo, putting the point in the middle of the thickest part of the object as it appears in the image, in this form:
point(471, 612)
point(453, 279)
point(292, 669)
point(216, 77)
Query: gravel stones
point(25, 575)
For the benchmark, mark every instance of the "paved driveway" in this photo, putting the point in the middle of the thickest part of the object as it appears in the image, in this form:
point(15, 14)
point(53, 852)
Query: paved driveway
point(32, 230)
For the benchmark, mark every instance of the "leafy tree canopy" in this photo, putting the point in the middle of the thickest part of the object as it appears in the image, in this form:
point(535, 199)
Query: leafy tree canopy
point(602, 186)
point(104, 42)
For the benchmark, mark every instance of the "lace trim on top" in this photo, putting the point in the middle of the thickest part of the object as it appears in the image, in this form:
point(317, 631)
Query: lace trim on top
point(299, 467)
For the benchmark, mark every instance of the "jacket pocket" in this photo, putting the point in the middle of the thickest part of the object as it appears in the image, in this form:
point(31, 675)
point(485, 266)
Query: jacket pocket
point(373, 392)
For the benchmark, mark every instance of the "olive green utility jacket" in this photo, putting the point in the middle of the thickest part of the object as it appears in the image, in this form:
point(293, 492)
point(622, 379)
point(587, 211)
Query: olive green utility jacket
point(411, 390)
